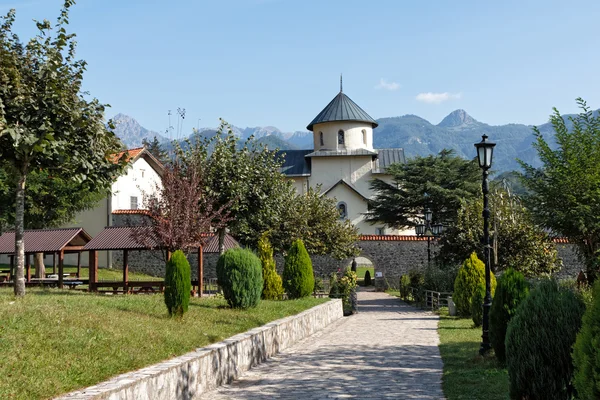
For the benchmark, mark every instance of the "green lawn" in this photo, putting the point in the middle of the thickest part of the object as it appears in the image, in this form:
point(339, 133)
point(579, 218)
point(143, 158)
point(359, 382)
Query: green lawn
point(54, 341)
point(361, 271)
point(467, 375)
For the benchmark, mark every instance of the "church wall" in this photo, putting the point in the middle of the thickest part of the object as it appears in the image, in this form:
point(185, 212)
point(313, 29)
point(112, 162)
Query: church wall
point(352, 134)
point(329, 170)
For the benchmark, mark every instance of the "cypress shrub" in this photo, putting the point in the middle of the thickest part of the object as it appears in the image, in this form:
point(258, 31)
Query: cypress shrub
point(512, 289)
point(178, 284)
point(586, 352)
point(404, 287)
point(539, 339)
point(272, 286)
point(471, 275)
point(368, 281)
point(239, 273)
point(298, 278)
point(477, 306)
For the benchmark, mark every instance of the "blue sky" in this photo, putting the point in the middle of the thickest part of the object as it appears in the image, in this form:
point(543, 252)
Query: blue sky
point(277, 62)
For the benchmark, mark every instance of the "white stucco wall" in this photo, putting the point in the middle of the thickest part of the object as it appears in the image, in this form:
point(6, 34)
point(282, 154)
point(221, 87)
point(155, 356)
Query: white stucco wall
point(356, 170)
point(353, 135)
point(138, 179)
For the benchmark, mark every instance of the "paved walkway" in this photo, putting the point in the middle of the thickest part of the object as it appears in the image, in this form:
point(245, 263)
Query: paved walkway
point(387, 351)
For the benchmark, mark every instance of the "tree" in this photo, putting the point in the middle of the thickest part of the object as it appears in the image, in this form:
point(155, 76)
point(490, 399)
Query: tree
point(46, 121)
point(439, 182)
point(272, 284)
point(517, 241)
point(563, 192)
point(156, 149)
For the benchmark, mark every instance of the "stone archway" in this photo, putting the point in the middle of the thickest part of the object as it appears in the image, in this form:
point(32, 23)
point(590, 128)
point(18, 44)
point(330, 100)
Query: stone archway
point(363, 264)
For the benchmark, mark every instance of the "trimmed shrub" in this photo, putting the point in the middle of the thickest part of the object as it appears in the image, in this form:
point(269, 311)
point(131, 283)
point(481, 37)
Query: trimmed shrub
point(440, 278)
point(512, 289)
point(539, 339)
point(239, 273)
point(404, 287)
point(272, 285)
point(368, 281)
point(471, 275)
point(477, 306)
point(298, 278)
point(586, 352)
point(178, 284)
point(343, 285)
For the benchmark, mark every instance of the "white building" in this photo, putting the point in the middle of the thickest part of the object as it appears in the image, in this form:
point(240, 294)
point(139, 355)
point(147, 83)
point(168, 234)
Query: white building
point(343, 161)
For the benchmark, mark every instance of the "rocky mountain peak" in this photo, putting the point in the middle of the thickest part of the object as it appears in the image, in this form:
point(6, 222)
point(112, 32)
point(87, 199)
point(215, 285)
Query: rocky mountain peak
point(458, 119)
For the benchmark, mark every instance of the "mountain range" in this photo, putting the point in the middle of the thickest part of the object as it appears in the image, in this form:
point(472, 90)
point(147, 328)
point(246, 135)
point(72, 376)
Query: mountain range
point(417, 136)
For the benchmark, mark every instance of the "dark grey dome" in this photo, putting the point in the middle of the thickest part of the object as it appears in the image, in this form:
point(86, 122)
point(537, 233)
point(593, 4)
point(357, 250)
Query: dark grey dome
point(342, 108)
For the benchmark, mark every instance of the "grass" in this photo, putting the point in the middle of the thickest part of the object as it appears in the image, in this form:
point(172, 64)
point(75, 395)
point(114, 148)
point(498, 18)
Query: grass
point(55, 341)
point(467, 375)
point(104, 274)
point(360, 274)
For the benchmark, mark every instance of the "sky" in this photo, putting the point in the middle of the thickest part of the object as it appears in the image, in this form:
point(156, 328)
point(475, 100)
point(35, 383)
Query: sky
point(278, 62)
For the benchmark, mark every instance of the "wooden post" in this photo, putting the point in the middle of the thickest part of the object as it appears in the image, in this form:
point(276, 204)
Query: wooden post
point(200, 271)
point(54, 263)
point(61, 264)
point(93, 270)
point(125, 270)
point(28, 262)
point(78, 264)
point(12, 267)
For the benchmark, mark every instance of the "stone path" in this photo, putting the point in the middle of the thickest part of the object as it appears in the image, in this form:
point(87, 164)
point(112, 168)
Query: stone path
point(387, 351)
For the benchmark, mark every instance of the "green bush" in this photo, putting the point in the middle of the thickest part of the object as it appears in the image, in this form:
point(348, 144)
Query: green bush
point(439, 278)
point(586, 352)
point(272, 285)
point(471, 275)
point(539, 339)
point(417, 279)
point(298, 278)
point(477, 306)
point(404, 287)
point(239, 272)
point(342, 286)
point(368, 281)
point(512, 289)
point(178, 284)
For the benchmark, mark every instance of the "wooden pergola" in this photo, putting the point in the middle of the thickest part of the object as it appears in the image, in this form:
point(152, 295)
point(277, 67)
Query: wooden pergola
point(47, 241)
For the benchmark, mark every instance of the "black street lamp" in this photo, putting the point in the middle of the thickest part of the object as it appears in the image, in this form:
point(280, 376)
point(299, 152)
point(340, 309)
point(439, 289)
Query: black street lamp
point(485, 151)
point(429, 230)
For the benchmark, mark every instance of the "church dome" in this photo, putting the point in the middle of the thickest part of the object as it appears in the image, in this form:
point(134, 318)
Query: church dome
point(342, 108)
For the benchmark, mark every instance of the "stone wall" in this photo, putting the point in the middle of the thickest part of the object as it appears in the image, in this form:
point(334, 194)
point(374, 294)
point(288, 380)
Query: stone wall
point(190, 375)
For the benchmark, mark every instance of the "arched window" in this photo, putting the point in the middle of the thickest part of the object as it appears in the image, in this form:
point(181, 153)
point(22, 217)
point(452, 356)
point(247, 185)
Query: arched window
point(321, 139)
point(364, 132)
point(341, 137)
point(342, 209)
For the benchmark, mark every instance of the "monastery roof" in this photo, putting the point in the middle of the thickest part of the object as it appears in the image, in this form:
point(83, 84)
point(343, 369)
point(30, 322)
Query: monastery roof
point(342, 108)
point(132, 155)
point(294, 162)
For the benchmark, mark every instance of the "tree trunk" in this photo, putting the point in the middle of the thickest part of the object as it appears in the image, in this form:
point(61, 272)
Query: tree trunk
point(19, 278)
point(221, 240)
point(40, 267)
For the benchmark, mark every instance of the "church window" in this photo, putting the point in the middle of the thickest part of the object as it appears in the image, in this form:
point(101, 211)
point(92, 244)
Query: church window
point(364, 132)
point(341, 137)
point(380, 231)
point(321, 142)
point(342, 209)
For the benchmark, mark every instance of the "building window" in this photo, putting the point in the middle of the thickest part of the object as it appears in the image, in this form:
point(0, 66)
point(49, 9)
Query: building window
point(321, 139)
point(342, 209)
point(364, 132)
point(380, 231)
point(133, 203)
point(341, 137)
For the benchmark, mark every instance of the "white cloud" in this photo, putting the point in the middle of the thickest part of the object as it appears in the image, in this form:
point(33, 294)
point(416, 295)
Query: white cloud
point(383, 84)
point(437, 98)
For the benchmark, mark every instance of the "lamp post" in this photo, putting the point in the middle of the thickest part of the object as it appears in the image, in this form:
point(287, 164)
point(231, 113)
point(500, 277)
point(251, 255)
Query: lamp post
point(429, 230)
point(485, 151)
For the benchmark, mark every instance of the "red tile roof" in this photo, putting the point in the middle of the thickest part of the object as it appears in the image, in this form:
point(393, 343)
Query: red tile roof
point(45, 240)
point(131, 154)
point(392, 238)
point(137, 211)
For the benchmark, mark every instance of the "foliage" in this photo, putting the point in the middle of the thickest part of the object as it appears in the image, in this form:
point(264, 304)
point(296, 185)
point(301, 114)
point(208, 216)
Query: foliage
point(239, 272)
point(298, 278)
point(512, 289)
point(477, 306)
point(46, 120)
point(178, 284)
point(539, 339)
point(272, 286)
point(368, 281)
point(342, 286)
point(156, 149)
point(586, 352)
point(563, 193)
point(404, 287)
point(439, 182)
point(471, 275)
point(517, 242)
point(439, 278)
point(180, 211)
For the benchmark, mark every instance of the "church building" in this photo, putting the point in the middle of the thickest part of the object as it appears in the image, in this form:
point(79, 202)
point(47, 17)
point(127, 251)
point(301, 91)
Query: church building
point(343, 161)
